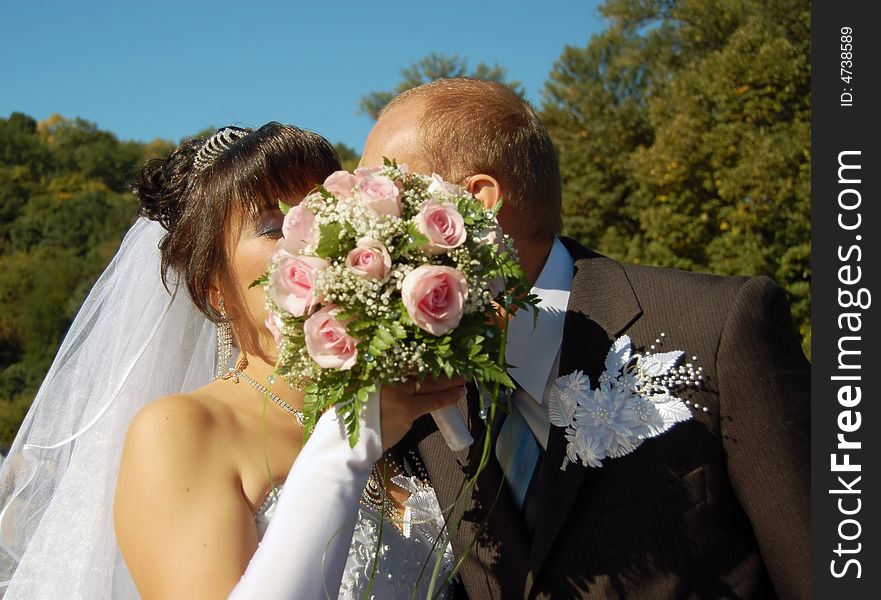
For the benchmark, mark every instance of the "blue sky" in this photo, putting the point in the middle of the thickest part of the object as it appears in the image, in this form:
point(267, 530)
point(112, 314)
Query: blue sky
point(169, 69)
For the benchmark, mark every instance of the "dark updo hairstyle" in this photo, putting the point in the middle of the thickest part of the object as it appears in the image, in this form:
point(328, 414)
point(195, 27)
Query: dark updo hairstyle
point(200, 204)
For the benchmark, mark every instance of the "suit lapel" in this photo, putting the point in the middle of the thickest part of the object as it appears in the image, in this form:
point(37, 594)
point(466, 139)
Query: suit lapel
point(484, 526)
point(602, 304)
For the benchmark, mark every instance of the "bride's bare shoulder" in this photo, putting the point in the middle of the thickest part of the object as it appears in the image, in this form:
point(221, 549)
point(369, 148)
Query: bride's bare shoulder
point(189, 412)
point(177, 478)
point(179, 426)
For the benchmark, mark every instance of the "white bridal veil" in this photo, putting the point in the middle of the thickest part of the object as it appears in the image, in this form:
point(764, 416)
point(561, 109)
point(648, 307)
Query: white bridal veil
point(131, 341)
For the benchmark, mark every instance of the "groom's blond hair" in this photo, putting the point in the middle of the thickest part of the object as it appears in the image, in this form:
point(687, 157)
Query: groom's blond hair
point(471, 126)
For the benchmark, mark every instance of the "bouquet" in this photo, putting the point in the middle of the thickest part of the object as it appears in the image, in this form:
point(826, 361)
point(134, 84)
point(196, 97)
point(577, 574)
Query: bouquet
point(383, 275)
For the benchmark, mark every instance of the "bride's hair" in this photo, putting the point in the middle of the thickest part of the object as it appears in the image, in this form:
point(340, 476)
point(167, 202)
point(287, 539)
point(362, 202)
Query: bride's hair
point(132, 341)
point(205, 189)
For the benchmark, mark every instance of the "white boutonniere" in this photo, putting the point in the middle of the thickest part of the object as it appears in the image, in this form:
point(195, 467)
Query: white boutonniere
point(633, 402)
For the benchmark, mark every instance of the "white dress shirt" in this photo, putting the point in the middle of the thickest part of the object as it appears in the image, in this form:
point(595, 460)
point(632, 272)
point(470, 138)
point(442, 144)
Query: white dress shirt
point(535, 352)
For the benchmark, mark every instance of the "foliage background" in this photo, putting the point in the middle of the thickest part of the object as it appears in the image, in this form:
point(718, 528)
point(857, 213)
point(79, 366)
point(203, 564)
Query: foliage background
point(684, 138)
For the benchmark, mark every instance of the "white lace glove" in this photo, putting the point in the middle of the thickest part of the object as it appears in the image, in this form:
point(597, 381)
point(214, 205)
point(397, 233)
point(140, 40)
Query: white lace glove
point(305, 548)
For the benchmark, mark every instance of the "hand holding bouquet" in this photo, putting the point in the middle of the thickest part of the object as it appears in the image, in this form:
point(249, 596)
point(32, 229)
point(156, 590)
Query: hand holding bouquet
point(382, 276)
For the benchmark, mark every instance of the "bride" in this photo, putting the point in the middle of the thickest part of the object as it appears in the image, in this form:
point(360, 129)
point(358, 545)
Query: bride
point(153, 465)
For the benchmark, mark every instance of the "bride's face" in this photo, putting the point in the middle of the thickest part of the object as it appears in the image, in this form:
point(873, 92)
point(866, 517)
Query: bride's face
point(250, 255)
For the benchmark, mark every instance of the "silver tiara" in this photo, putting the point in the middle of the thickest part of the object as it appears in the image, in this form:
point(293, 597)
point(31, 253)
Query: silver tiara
point(216, 145)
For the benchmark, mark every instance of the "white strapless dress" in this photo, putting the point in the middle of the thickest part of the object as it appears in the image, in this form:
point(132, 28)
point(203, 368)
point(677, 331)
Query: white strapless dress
point(408, 551)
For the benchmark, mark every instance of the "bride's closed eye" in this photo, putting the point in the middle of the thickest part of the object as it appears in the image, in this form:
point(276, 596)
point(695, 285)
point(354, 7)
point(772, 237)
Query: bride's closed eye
point(269, 224)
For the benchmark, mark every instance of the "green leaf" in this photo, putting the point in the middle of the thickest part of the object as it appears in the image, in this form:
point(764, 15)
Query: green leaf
point(329, 244)
point(324, 192)
point(353, 425)
point(342, 314)
point(378, 345)
point(498, 376)
point(497, 207)
point(362, 394)
point(385, 335)
point(283, 206)
point(359, 325)
point(397, 330)
point(415, 239)
point(263, 280)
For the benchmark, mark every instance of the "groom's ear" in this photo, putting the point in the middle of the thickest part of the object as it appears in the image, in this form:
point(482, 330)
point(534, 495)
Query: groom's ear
point(485, 188)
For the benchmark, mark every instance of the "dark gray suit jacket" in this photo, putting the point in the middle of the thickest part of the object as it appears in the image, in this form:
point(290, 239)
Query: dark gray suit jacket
point(717, 507)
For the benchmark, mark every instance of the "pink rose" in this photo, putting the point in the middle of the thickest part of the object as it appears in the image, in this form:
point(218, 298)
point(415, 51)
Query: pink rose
point(362, 173)
point(369, 258)
point(275, 326)
point(328, 341)
point(340, 184)
point(299, 229)
point(435, 297)
point(439, 187)
point(442, 224)
point(378, 192)
point(290, 285)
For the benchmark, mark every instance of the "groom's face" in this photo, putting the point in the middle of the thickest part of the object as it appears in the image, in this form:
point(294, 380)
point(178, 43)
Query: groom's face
point(396, 136)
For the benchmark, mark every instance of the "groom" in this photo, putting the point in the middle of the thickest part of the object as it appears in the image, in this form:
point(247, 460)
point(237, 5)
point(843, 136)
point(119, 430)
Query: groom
point(717, 506)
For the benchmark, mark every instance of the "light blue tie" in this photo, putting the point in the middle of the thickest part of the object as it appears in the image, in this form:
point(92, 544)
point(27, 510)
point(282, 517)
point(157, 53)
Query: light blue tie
point(517, 451)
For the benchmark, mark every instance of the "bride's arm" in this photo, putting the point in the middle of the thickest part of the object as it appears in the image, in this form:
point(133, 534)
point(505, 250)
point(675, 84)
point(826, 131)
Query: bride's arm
point(182, 523)
point(185, 530)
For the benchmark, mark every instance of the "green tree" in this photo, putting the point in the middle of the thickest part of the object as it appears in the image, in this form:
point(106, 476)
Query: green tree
point(21, 146)
point(348, 157)
point(24, 160)
point(63, 212)
point(12, 413)
point(74, 213)
point(684, 138)
point(80, 146)
point(15, 188)
point(429, 68)
point(158, 148)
